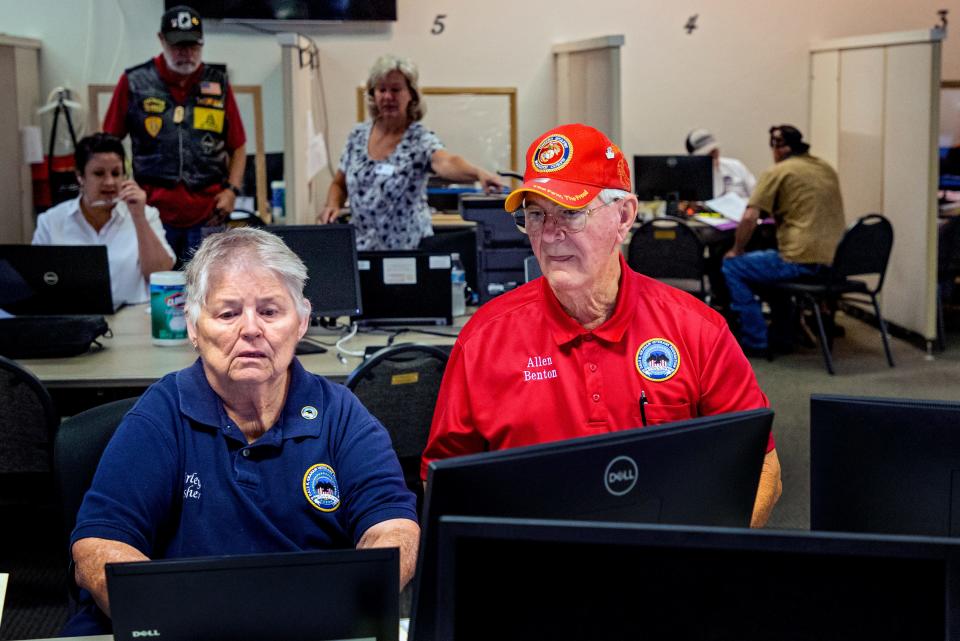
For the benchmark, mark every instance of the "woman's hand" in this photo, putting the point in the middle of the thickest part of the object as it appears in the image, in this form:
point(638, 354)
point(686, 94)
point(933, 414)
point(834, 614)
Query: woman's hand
point(328, 215)
point(133, 196)
point(491, 183)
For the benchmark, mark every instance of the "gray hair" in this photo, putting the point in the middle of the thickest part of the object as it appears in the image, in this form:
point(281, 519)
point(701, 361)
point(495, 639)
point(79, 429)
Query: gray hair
point(610, 195)
point(381, 69)
point(238, 246)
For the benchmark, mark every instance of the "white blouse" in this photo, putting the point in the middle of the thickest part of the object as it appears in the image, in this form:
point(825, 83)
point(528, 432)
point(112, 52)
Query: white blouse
point(64, 224)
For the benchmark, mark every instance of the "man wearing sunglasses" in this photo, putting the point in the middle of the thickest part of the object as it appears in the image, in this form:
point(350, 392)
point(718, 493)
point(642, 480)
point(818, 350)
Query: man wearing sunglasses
point(802, 193)
point(592, 346)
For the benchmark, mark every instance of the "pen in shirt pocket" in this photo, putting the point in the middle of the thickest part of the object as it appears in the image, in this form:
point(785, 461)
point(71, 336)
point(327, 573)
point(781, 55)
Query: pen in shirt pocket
point(643, 411)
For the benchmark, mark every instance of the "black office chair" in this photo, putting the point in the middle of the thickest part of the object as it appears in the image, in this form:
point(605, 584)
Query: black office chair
point(864, 250)
point(399, 385)
point(78, 446)
point(669, 250)
point(28, 421)
point(948, 270)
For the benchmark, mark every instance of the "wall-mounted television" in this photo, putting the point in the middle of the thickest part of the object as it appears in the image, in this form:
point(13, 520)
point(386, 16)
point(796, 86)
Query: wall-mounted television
point(293, 10)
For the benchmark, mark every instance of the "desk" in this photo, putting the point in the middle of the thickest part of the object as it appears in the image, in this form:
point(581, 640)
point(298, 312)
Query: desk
point(129, 362)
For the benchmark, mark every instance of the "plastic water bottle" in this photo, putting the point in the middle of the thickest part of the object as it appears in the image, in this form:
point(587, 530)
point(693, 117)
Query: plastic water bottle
point(278, 194)
point(458, 285)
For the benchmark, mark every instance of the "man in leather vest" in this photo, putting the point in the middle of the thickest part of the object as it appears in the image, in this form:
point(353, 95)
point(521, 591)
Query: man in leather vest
point(189, 146)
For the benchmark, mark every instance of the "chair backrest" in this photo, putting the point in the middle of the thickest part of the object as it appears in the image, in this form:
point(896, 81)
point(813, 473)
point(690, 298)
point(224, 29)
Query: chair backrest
point(399, 385)
point(668, 249)
point(80, 441)
point(865, 249)
point(948, 250)
point(28, 421)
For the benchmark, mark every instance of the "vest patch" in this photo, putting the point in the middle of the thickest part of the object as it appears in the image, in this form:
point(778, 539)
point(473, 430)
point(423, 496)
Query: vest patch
point(208, 119)
point(154, 105)
point(153, 124)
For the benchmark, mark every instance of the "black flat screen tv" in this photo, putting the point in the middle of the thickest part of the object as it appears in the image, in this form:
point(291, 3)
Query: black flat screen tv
point(292, 10)
point(703, 471)
point(513, 580)
point(885, 465)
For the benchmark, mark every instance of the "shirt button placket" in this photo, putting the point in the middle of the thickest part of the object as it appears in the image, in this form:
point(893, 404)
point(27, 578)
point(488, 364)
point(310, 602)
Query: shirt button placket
point(594, 380)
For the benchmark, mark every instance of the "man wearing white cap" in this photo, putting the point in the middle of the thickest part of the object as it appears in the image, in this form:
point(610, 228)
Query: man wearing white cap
point(729, 174)
point(592, 346)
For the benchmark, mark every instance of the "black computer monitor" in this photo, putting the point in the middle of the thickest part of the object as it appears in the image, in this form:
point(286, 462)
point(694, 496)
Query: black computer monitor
point(673, 178)
point(405, 288)
point(514, 580)
point(703, 471)
point(330, 254)
point(298, 596)
point(885, 465)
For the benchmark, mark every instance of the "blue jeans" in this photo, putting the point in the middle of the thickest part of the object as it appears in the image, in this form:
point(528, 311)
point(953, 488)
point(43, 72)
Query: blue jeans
point(757, 268)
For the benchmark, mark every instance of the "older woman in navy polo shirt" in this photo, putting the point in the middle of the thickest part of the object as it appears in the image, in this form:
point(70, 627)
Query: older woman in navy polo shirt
point(244, 451)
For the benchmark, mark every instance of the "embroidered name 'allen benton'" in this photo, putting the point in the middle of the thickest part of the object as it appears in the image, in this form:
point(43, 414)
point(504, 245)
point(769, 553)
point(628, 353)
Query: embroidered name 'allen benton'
point(539, 361)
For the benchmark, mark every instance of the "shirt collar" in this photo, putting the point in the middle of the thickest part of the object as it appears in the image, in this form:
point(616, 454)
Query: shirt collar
point(565, 329)
point(200, 403)
point(119, 210)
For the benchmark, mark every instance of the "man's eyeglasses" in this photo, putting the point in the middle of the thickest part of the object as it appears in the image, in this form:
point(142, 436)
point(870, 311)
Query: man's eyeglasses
point(777, 142)
point(532, 219)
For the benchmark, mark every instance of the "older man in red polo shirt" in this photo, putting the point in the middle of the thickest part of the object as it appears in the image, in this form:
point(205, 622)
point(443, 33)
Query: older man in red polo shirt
point(581, 350)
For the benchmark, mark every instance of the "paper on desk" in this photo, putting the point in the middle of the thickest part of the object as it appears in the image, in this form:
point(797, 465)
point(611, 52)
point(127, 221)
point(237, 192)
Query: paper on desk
point(714, 220)
point(730, 205)
point(3, 592)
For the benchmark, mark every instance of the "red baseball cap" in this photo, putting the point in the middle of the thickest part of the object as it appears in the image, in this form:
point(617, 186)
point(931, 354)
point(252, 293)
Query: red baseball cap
point(570, 165)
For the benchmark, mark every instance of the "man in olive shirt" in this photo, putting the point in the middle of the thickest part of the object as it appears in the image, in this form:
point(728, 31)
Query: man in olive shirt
point(802, 192)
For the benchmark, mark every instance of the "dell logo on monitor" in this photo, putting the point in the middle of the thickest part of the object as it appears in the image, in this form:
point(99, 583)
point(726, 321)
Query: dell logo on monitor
point(620, 475)
point(51, 278)
point(144, 633)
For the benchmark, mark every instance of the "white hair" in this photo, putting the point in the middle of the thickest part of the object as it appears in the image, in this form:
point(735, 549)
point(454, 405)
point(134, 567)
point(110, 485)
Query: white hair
point(610, 195)
point(244, 245)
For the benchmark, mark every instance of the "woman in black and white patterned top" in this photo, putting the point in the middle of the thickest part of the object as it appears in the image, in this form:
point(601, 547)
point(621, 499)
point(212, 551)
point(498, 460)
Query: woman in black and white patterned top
point(385, 164)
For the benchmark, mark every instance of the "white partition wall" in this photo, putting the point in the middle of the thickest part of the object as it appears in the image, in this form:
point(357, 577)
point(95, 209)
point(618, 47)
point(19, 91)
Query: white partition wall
point(588, 83)
point(874, 116)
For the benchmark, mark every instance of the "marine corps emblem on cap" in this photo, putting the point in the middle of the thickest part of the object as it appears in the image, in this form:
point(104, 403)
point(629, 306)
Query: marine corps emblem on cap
point(552, 154)
point(658, 360)
point(321, 488)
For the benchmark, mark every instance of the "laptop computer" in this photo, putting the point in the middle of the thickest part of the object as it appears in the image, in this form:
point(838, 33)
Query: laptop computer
point(56, 279)
point(405, 288)
point(296, 596)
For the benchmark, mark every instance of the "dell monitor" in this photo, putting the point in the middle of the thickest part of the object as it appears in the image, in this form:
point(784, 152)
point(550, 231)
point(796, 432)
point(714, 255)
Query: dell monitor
point(330, 254)
point(885, 465)
point(294, 596)
point(703, 471)
point(673, 178)
point(514, 580)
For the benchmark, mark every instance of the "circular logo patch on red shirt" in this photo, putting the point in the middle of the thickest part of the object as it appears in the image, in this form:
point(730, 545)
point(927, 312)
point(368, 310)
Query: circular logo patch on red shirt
point(658, 360)
point(552, 154)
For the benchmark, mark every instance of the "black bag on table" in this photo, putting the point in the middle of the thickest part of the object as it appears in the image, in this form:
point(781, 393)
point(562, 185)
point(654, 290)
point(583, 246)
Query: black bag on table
point(50, 336)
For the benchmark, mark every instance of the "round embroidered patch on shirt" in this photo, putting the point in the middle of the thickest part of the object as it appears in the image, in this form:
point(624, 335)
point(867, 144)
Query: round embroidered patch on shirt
point(309, 412)
point(552, 154)
point(320, 487)
point(658, 360)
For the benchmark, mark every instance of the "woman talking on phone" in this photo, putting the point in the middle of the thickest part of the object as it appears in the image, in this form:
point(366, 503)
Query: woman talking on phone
point(111, 210)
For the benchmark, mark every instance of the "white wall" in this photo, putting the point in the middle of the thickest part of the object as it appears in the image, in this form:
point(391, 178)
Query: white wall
point(743, 69)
